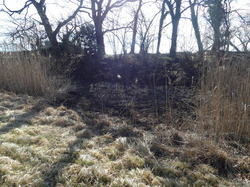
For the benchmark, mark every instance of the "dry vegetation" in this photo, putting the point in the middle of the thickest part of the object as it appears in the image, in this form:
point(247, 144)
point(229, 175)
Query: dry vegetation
point(32, 74)
point(44, 145)
point(22, 73)
point(225, 98)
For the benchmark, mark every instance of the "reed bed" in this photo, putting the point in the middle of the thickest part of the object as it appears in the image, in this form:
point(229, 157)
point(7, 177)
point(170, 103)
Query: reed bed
point(224, 110)
point(25, 73)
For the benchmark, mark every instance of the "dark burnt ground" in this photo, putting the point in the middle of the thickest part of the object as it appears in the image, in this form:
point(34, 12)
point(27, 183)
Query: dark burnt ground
point(138, 86)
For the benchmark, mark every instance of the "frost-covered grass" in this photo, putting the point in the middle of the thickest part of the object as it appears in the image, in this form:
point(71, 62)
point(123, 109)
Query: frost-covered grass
point(42, 145)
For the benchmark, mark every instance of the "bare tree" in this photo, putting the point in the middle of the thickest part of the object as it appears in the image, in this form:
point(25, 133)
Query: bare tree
point(217, 16)
point(41, 7)
point(99, 11)
point(136, 16)
point(194, 19)
point(144, 32)
point(121, 36)
point(27, 33)
point(240, 31)
point(242, 34)
point(164, 14)
point(175, 13)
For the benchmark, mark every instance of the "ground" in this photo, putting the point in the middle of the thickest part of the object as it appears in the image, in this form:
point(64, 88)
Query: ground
point(130, 121)
point(48, 145)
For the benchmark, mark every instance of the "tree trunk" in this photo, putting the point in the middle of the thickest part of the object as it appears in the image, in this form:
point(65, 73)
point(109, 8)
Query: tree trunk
point(98, 21)
point(194, 20)
point(132, 51)
point(216, 44)
point(100, 42)
point(159, 36)
point(217, 15)
point(163, 16)
point(51, 35)
point(175, 24)
point(175, 17)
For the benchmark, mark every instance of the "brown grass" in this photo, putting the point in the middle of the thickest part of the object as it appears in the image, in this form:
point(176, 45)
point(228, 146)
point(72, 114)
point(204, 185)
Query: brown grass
point(24, 73)
point(33, 74)
point(225, 97)
point(40, 150)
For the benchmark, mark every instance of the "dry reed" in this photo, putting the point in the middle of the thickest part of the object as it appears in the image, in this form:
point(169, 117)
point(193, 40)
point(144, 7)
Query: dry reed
point(24, 73)
point(30, 73)
point(224, 110)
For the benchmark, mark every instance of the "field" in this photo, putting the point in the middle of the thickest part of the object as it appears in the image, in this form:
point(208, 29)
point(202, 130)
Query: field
point(187, 126)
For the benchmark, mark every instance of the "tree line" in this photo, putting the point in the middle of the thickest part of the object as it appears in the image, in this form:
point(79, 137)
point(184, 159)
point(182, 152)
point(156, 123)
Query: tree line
point(82, 31)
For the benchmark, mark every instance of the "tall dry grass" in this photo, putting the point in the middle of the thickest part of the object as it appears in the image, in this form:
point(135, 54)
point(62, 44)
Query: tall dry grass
point(33, 74)
point(224, 109)
point(24, 73)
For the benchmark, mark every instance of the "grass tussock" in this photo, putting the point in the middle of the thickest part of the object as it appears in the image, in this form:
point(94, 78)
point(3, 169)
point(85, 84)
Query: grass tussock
point(48, 151)
point(224, 110)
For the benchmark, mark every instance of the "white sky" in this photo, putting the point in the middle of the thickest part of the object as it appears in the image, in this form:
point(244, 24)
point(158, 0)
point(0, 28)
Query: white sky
point(58, 9)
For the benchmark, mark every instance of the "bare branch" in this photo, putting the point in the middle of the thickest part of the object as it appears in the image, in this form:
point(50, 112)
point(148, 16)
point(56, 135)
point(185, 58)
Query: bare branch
point(61, 24)
point(242, 18)
point(116, 4)
point(11, 12)
point(88, 13)
point(116, 29)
